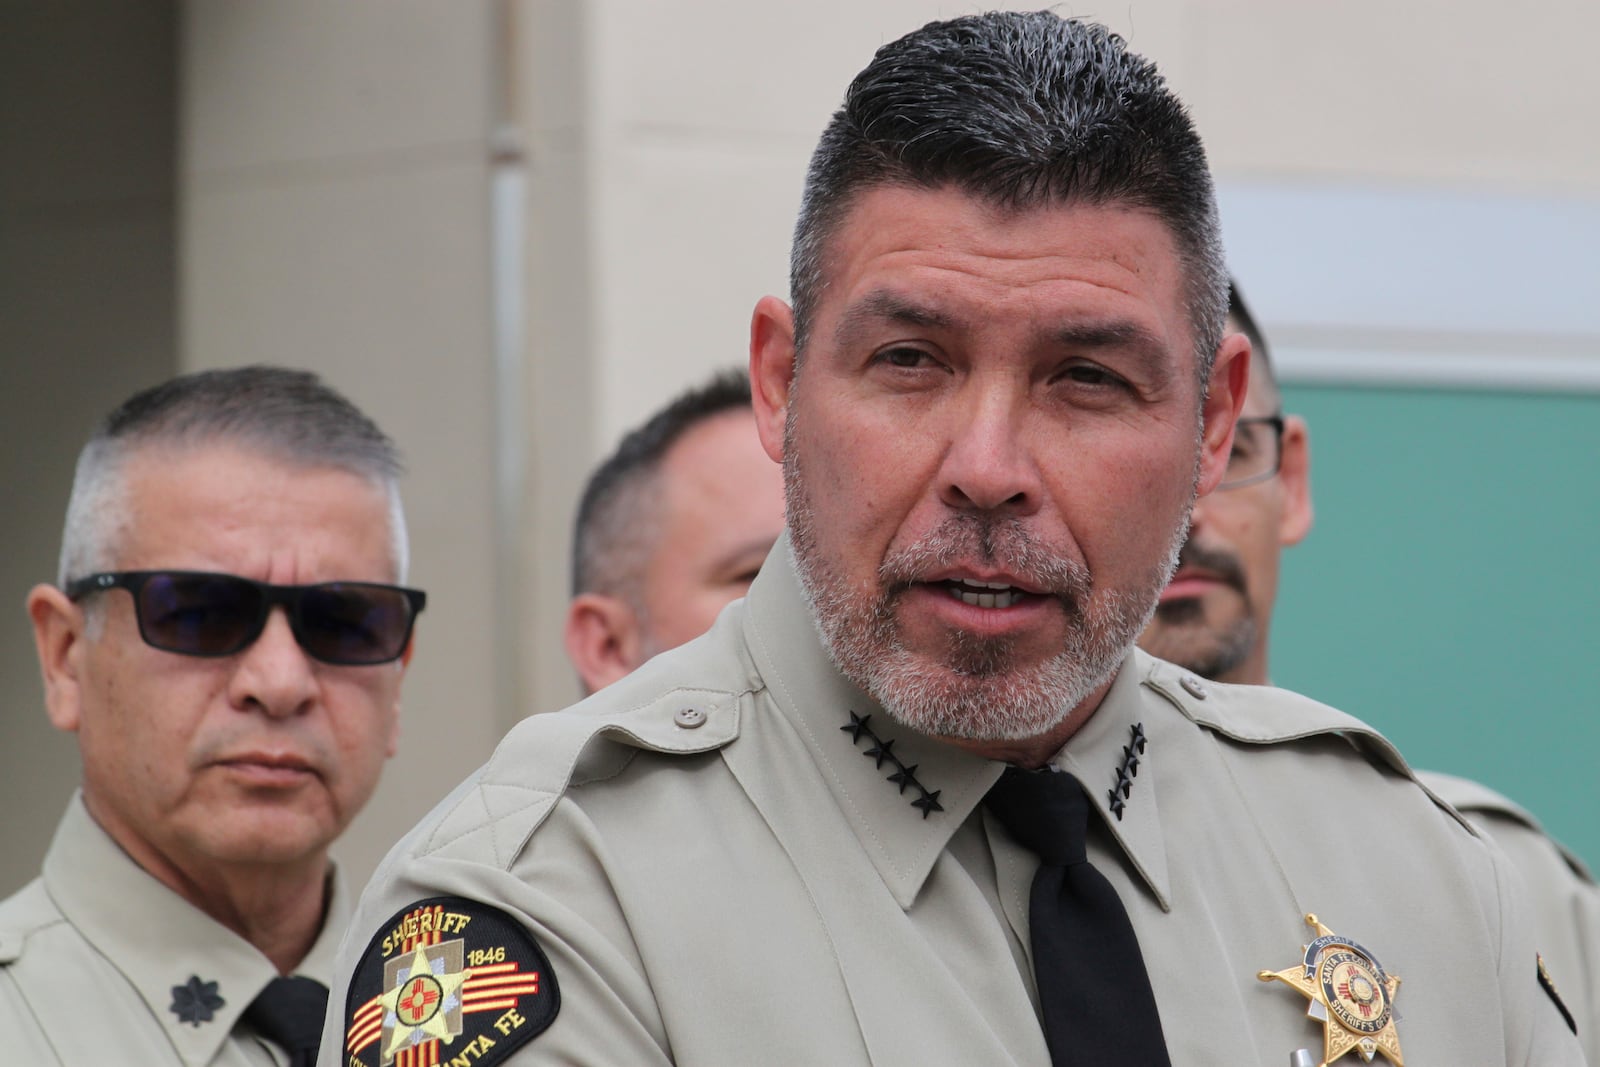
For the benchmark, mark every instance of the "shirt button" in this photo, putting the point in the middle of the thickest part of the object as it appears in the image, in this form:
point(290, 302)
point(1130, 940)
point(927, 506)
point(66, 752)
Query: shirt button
point(690, 718)
point(1193, 686)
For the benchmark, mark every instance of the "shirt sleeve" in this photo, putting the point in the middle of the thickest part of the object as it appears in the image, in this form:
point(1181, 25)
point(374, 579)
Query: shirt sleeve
point(556, 896)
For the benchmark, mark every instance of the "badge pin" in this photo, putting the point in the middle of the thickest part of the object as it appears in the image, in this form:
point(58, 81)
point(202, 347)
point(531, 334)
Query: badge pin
point(1350, 993)
point(195, 1001)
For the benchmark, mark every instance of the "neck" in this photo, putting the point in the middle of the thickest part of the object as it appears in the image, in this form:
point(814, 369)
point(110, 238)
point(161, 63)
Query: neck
point(279, 910)
point(277, 907)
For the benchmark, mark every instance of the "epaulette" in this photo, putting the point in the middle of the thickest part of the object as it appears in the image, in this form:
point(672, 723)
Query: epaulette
point(1466, 796)
point(1264, 715)
point(490, 819)
point(23, 914)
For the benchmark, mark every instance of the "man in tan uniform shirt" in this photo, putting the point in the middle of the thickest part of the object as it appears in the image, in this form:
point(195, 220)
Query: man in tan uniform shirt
point(1216, 615)
point(1001, 386)
point(187, 912)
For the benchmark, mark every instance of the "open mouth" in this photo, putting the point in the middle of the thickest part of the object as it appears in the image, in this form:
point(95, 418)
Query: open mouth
point(984, 594)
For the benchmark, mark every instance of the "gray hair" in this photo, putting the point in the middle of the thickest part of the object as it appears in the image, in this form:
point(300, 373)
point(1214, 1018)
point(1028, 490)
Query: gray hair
point(287, 415)
point(1022, 110)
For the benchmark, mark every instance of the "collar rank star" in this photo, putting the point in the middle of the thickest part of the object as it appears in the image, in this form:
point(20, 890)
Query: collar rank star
point(902, 775)
point(1118, 797)
point(1350, 993)
point(195, 1001)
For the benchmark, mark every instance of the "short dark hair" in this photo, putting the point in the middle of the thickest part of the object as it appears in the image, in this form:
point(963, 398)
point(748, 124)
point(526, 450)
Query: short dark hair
point(611, 535)
point(287, 415)
point(1019, 109)
point(1261, 354)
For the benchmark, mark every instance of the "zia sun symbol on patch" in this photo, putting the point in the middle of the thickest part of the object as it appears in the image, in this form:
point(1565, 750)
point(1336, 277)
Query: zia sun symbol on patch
point(423, 1001)
point(1349, 992)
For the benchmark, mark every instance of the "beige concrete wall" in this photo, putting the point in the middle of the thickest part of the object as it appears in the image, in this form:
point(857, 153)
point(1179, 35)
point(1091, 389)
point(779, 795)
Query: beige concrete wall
point(87, 292)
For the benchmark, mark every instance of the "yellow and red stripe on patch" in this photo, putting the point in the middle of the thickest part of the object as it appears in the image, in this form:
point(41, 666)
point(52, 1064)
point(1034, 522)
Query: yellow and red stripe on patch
point(495, 987)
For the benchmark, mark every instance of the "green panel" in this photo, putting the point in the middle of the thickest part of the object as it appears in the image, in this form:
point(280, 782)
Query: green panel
point(1448, 591)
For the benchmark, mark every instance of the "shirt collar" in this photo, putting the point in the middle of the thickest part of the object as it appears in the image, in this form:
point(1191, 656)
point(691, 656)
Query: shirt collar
point(159, 941)
point(1117, 752)
point(903, 841)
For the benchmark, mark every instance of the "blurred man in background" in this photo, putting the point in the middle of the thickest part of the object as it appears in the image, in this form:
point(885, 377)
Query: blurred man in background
point(1215, 619)
point(672, 526)
point(226, 640)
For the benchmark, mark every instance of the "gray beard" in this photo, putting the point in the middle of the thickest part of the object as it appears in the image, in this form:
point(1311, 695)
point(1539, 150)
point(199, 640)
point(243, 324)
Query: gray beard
point(979, 691)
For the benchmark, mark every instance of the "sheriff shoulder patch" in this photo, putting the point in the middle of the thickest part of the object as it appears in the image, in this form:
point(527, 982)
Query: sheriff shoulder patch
point(447, 982)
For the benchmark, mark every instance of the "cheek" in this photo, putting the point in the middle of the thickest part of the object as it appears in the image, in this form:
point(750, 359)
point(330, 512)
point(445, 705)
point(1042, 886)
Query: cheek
point(866, 478)
point(364, 721)
point(1140, 495)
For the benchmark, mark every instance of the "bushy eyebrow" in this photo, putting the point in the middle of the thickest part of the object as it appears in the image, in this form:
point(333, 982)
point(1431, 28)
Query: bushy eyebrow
point(886, 305)
point(1130, 337)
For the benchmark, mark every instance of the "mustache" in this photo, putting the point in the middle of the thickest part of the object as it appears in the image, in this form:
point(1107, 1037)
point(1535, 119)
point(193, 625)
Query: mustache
point(1002, 543)
point(1224, 564)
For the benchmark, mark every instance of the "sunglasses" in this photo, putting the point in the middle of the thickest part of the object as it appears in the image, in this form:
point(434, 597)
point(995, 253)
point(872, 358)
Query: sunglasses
point(198, 613)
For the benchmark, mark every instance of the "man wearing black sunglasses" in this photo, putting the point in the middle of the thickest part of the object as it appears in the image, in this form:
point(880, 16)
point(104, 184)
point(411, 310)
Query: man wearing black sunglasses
point(227, 640)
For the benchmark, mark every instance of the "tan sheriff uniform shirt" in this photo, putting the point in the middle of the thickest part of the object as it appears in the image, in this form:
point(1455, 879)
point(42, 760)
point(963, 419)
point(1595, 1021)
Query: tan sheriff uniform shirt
point(1566, 900)
point(723, 867)
point(98, 959)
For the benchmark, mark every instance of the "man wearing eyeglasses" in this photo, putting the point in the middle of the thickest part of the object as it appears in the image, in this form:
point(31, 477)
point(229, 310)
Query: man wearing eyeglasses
point(227, 641)
point(1215, 615)
point(1214, 619)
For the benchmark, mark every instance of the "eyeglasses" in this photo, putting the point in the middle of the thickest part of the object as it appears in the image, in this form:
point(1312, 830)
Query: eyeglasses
point(1257, 451)
point(198, 613)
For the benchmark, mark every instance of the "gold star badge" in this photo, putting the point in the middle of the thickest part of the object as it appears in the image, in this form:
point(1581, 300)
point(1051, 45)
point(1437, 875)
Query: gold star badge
point(423, 1001)
point(1349, 992)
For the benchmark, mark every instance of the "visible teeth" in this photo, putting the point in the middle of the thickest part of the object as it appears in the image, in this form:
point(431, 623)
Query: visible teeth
point(1003, 599)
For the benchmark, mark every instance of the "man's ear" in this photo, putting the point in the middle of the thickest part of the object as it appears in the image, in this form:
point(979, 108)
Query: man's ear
point(602, 638)
point(771, 370)
point(58, 635)
point(1230, 378)
point(1294, 471)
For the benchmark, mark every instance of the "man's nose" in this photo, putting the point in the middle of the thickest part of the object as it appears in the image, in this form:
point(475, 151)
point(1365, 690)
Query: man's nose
point(989, 465)
point(274, 674)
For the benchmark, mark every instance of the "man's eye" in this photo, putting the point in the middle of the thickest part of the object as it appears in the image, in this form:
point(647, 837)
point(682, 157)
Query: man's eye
point(904, 357)
point(1090, 374)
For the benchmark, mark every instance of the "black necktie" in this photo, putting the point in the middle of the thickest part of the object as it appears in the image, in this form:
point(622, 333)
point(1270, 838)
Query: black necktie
point(288, 1012)
point(1094, 993)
